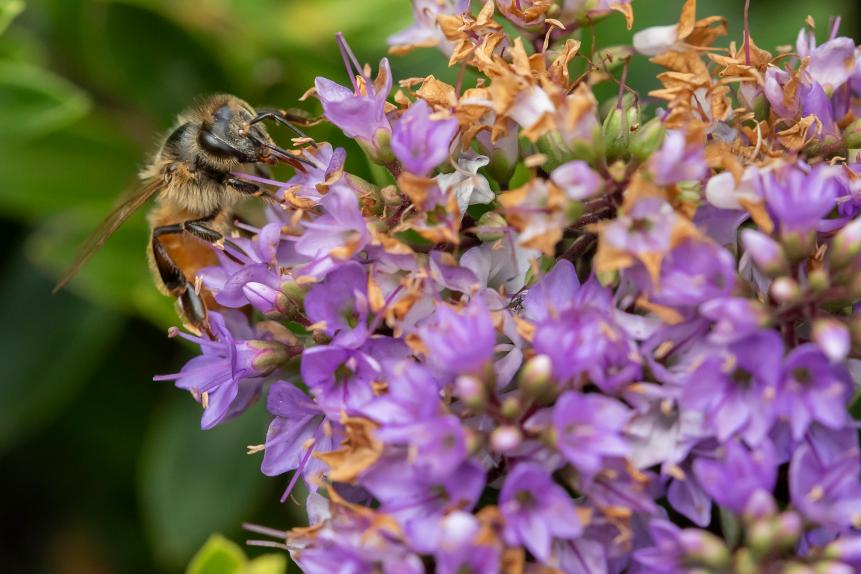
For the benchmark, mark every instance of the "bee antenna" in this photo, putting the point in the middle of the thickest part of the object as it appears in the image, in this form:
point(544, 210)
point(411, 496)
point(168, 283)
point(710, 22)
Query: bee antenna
point(279, 116)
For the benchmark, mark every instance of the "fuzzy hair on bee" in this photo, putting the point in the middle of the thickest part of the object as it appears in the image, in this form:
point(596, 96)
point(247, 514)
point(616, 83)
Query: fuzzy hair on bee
point(191, 176)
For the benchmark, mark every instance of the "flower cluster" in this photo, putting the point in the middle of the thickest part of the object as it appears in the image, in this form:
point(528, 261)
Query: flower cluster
point(561, 335)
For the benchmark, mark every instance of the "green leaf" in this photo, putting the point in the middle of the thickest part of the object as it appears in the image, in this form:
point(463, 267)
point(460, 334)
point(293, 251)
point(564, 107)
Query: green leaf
point(34, 102)
point(267, 564)
point(51, 345)
point(193, 482)
point(218, 556)
point(221, 556)
point(9, 9)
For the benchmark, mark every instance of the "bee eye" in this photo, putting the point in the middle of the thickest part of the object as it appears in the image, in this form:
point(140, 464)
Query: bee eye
point(217, 146)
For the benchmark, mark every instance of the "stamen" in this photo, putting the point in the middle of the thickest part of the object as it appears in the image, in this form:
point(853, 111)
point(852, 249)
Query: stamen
point(348, 57)
point(747, 32)
point(835, 26)
point(267, 544)
point(297, 473)
point(264, 530)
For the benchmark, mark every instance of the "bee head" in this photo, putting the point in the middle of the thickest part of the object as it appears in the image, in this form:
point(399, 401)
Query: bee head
point(229, 136)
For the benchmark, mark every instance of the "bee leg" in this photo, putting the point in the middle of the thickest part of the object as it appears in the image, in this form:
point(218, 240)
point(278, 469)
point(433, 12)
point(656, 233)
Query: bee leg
point(241, 186)
point(190, 303)
point(285, 118)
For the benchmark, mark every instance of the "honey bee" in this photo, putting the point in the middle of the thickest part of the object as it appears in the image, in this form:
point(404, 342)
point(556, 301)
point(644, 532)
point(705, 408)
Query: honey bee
point(191, 176)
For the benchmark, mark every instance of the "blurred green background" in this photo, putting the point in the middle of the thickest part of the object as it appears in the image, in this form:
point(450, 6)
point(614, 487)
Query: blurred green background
point(103, 470)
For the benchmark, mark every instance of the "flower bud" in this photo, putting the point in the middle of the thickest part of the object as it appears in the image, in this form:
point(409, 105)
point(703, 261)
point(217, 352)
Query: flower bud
point(798, 245)
point(833, 338)
point(536, 379)
point(705, 548)
point(796, 568)
point(845, 246)
point(852, 135)
point(472, 391)
point(766, 253)
point(818, 280)
point(617, 129)
point(647, 140)
point(829, 567)
point(744, 562)
point(846, 548)
point(391, 196)
point(510, 407)
point(612, 57)
point(760, 505)
point(379, 150)
point(785, 290)
point(491, 226)
point(269, 356)
point(505, 439)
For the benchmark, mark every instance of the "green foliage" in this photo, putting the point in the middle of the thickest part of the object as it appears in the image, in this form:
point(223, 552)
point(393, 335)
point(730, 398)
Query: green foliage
point(8, 10)
point(221, 556)
point(193, 482)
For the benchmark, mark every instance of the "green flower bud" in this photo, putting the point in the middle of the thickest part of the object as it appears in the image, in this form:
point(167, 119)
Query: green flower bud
point(852, 135)
point(845, 246)
point(472, 391)
point(798, 245)
point(819, 280)
point(786, 290)
point(617, 129)
point(705, 548)
point(491, 226)
point(647, 140)
point(536, 380)
point(511, 408)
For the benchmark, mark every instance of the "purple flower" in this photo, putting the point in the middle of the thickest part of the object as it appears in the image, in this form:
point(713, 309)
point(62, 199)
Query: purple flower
point(553, 294)
point(736, 390)
point(250, 272)
point(589, 428)
point(798, 197)
point(327, 170)
point(823, 478)
point(694, 272)
point(419, 142)
point(812, 390)
point(673, 549)
point(536, 510)
point(226, 377)
point(833, 63)
point(645, 228)
point(341, 303)
point(460, 341)
point(577, 180)
point(340, 377)
point(586, 340)
point(361, 111)
point(294, 435)
point(419, 501)
point(337, 235)
point(438, 445)
point(424, 32)
point(678, 160)
point(746, 470)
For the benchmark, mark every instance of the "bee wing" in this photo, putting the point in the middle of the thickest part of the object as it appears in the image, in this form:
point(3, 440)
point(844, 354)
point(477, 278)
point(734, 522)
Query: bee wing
point(106, 228)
